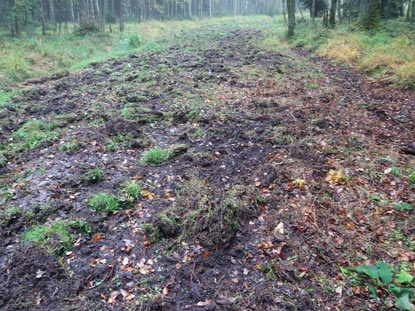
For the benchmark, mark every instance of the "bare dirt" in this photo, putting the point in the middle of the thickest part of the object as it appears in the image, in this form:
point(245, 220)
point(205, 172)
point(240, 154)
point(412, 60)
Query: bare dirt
point(271, 122)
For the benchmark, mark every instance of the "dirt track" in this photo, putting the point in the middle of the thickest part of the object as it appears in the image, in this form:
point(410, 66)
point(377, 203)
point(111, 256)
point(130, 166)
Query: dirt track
point(255, 128)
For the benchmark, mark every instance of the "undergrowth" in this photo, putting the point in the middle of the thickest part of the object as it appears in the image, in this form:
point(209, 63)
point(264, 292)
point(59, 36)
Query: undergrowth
point(387, 53)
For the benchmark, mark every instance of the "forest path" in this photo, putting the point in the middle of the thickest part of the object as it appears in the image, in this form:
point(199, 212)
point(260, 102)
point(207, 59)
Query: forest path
point(278, 171)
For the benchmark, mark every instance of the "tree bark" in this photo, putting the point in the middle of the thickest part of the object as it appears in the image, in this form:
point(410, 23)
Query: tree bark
point(291, 17)
point(332, 19)
point(103, 14)
point(121, 15)
point(42, 8)
point(284, 10)
point(313, 10)
point(339, 13)
point(369, 14)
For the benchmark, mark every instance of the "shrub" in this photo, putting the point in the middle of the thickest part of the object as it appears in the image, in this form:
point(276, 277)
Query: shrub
point(86, 28)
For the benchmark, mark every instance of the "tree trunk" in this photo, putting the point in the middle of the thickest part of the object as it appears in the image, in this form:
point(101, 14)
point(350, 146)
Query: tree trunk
point(313, 10)
point(96, 9)
point(339, 13)
point(42, 8)
point(291, 17)
point(284, 9)
point(413, 11)
point(199, 11)
point(332, 19)
point(301, 11)
point(103, 14)
point(190, 8)
point(121, 15)
point(52, 11)
point(72, 12)
point(369, 14)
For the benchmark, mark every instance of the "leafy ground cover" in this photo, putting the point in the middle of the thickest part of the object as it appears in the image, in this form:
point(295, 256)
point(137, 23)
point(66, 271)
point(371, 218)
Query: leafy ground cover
point(223, 171)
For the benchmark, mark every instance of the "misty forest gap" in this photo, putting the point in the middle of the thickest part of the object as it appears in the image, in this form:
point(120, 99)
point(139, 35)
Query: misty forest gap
point(222, 171)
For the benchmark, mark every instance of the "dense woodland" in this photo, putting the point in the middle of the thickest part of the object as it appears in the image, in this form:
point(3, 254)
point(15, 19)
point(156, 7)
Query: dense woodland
point(25, 16)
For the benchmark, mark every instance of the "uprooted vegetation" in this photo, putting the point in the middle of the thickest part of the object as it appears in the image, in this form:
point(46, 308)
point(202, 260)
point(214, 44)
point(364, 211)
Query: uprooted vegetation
point(220, 172)
point(204, 216)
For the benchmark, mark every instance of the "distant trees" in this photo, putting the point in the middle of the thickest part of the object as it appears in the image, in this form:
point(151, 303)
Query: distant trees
point(53, 16)
point(24, 17)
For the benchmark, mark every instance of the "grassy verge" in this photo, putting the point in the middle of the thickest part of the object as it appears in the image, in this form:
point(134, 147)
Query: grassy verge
point(386, 54)
point(40, 56)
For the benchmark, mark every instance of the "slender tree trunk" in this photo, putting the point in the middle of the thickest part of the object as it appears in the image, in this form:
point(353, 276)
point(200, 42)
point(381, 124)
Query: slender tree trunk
point(332, 19)
point(339, 13)
point(121, 15)
point(408, 11)
point(103, 15)
point(190, 9)
point(313, 10)
point(291, 17)
point(246, 7)
point(42, 8)
point(52, 11)
point(199, 11)
point(284, 10)
point(96, 9)
point(413, 11)
point(301, 11)
point(71, 11)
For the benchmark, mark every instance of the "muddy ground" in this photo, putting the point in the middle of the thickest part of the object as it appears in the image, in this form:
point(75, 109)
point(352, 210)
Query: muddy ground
point(278, 174)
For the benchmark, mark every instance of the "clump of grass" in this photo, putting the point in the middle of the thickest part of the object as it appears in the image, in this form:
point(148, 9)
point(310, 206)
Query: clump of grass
point(8, 214)
point(105, 203)
point(156, 156)
point(70, 145)
point(56, 237)
point(159, 155)
point(93, 176)
point(34, 132)
point(132, 191)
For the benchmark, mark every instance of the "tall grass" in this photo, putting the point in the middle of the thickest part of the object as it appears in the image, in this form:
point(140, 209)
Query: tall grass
point(388, 54)
point(39, 56)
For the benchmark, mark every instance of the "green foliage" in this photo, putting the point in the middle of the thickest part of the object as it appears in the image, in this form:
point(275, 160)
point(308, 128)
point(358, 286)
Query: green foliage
point(411, 178)
point(56, 237)
point(105, 203)
point(156, 156)
point(132, 191)
point(133, 42)
point(403, 206)
point(34, 132)
point(70, 145)
point(396, 283)
point(93, 176)
point(86, 28)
